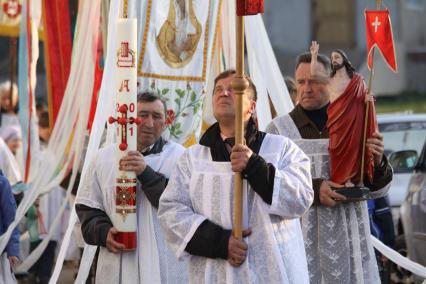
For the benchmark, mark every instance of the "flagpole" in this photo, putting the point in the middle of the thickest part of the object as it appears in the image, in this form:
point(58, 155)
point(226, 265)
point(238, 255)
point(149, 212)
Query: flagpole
point(367, 104)
point(125, 8)
point(239, 85)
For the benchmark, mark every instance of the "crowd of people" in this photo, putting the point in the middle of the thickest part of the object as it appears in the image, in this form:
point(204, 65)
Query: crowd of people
point(296, 227)
point(39, 218)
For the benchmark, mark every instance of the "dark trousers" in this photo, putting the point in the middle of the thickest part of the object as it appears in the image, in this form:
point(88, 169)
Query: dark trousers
point(42, 269)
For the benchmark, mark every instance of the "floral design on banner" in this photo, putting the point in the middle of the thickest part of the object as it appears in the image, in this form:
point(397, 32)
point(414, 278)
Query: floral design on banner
point(186, 103)
point(170, 116)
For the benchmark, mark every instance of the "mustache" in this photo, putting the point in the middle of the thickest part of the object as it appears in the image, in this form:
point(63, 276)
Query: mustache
point(337, 66)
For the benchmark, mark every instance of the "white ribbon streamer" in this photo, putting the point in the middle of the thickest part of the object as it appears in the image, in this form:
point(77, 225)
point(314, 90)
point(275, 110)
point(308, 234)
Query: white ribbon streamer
point(260, 51)
point(106, 102)
point(397, 258)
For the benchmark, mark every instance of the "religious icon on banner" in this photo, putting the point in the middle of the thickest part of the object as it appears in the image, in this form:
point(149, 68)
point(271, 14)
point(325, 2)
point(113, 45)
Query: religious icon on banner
point(12, 8)
point(10, 17)
point(180, 34)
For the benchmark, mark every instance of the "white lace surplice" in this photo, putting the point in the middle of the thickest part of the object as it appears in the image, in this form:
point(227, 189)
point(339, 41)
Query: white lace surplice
point(154, 263)
point(201, 189)
point(337, 240)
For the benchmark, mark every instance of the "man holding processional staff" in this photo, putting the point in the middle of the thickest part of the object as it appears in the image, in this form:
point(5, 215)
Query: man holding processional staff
point(197, 211)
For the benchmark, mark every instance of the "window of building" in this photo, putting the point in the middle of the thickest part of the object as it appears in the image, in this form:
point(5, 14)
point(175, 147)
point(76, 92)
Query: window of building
point(334, 22)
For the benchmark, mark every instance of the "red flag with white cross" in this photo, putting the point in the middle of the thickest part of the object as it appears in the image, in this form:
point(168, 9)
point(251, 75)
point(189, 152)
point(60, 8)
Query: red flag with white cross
point(379, 34)
point(249, 7)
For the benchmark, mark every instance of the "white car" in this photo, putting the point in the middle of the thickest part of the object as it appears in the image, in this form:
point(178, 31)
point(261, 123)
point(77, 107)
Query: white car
point(402, 132)
point(404, 137)
point(413, 216)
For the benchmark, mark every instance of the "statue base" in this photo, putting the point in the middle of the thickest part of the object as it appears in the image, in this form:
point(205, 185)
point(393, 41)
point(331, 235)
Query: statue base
point(128, 239)
point(355, 193)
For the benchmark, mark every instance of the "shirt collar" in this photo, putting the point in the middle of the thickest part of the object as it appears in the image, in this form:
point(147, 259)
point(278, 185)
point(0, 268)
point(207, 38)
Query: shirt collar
point(213, 133)
point(299, 117)
point(147, 149)
point(155, 148)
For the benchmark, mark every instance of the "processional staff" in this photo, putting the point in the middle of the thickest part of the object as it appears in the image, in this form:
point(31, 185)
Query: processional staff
point(370, 81)
point(379, 34)
point(239, 85)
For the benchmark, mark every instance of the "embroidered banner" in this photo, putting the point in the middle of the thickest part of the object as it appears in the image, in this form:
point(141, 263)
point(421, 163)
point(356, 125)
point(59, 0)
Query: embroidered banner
point(10, 17)
point(176, 43)
point(379, 33)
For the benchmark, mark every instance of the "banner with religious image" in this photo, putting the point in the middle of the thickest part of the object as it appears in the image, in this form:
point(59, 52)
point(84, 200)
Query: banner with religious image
point(10, 17)
point(176, 39)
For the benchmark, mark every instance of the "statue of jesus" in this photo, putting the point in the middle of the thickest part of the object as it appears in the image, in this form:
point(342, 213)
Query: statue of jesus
point(346, 118)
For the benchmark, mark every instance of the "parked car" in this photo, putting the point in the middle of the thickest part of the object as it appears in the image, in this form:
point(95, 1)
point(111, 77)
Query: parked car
point(413, 213)
point(404, 139)
point(402, 132)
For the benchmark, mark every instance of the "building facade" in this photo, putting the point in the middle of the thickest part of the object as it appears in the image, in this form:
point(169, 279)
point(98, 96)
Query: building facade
point(293, 24)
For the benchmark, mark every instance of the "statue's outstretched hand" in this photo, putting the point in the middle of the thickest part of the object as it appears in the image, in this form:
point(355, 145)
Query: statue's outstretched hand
point(314, 49)
point(314, 55)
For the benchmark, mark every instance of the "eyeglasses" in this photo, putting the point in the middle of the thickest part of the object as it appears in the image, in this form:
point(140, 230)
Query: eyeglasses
point(221, 90)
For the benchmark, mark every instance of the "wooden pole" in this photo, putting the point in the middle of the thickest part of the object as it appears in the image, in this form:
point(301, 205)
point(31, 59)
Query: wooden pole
point(239, 85)
point(125, 8)
point(364, 138)
point(370, 82)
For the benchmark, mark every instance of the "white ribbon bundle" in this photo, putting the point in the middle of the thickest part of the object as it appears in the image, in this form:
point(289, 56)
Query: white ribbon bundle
point(67, 140)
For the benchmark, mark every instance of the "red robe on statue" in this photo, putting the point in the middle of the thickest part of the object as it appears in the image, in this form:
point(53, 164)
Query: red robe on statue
point(346, 116)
